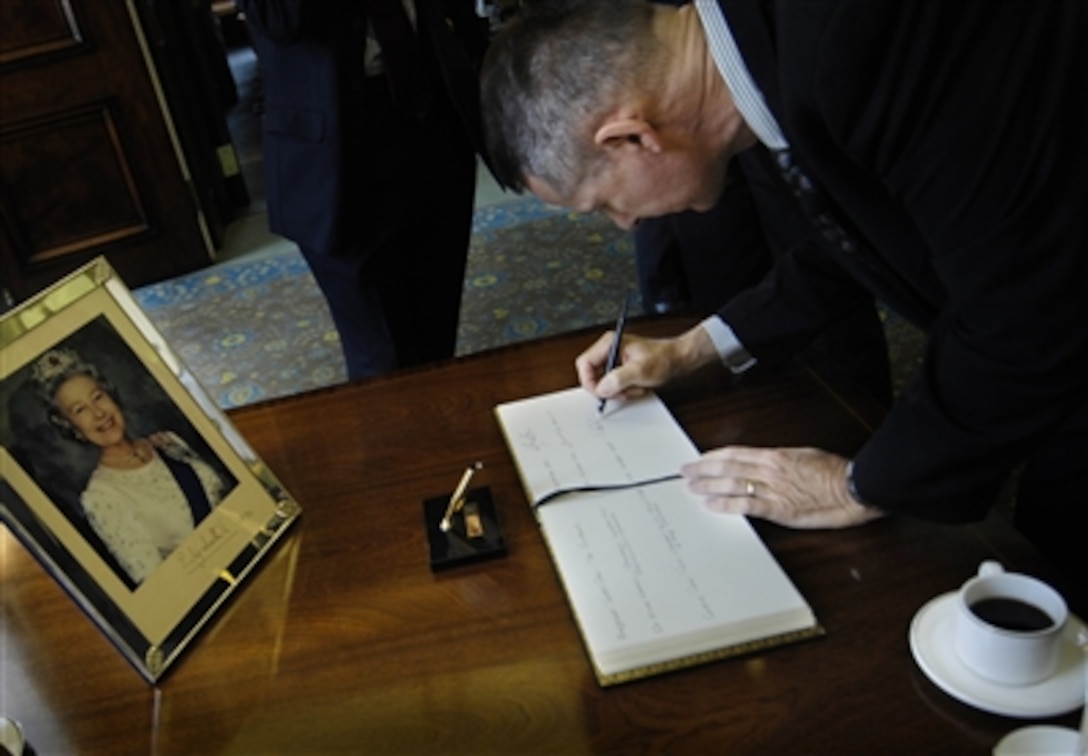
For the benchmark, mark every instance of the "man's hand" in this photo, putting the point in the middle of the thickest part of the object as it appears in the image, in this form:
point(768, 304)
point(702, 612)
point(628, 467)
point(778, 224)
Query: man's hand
point(798, 488)
point(643, 364)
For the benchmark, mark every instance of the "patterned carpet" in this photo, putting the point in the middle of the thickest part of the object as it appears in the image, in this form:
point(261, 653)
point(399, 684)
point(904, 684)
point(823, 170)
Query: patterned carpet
point(535, 270)
point(259, 328)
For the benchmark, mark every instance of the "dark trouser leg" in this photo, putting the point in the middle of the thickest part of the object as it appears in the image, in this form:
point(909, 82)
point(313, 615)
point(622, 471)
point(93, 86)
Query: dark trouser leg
point(857, 348)
point(426, 271)
point(355, 305)
point(394, 285)
point(699, 261)
point(661, 280)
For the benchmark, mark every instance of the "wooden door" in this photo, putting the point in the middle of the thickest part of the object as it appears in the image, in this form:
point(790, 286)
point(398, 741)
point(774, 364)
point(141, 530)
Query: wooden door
point(89, 162)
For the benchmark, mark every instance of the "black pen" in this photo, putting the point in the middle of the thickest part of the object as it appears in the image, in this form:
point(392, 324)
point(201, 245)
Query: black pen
point(614, 352)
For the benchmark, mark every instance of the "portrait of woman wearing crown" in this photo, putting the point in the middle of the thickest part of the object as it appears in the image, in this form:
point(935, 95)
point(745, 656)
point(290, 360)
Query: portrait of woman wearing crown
point(122, 470)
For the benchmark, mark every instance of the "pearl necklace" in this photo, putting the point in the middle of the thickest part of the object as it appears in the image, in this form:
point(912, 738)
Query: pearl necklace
point(139, 454)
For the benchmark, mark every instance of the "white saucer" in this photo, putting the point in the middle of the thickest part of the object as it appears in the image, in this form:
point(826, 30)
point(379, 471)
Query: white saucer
point(932, 647)
point(1038, 739)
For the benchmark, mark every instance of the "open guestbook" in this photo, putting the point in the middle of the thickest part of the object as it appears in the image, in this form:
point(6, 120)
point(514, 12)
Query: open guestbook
point(655, 580)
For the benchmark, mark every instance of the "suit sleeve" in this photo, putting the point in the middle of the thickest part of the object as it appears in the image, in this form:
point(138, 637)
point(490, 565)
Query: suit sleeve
point(805, 292)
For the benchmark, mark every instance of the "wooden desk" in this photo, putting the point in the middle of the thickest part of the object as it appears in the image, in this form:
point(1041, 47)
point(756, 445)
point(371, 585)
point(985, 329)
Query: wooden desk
point(345, 641)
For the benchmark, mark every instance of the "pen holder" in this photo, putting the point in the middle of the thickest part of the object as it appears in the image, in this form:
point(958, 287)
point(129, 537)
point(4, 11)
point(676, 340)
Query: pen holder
point(474, 534)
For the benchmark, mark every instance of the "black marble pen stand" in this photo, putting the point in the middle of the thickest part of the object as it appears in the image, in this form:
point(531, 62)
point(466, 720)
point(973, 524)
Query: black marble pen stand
point(474, 533)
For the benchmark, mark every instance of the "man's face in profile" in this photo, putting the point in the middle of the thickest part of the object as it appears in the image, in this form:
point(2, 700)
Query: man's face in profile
point(632, 183)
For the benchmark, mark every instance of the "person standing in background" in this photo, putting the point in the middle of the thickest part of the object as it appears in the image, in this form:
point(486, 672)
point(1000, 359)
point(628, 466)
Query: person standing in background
point(370, 134)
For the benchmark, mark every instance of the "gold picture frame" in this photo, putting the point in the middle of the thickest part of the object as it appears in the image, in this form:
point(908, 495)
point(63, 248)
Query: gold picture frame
point(150, 553)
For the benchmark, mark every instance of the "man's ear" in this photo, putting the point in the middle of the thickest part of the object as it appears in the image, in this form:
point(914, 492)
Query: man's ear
point(628, 132)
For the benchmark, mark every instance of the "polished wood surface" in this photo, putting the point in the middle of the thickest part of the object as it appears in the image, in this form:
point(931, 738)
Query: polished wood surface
point(345, 641)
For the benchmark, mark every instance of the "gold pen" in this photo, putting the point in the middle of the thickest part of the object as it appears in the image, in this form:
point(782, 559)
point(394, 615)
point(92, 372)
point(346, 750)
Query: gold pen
point(458, 497)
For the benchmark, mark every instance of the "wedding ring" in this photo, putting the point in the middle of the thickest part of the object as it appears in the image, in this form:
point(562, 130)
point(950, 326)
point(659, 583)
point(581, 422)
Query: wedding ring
point(749, 488)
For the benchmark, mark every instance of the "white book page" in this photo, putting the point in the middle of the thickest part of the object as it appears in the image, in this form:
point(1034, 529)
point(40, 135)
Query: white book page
point(650, 572)
point(559, 440)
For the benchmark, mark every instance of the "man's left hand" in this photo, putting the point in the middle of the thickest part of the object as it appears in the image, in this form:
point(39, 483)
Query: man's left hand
point(798, 488)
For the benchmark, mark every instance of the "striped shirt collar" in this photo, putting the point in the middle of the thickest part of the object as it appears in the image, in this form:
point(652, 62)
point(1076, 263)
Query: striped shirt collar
point(746, 95)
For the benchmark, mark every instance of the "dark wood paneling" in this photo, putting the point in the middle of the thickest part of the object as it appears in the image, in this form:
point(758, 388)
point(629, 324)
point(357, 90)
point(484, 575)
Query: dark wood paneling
point(88, 164)
point(74, 161)
point(36, 29)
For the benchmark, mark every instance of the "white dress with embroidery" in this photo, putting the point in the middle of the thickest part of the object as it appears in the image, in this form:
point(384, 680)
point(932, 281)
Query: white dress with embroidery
point(142, 514)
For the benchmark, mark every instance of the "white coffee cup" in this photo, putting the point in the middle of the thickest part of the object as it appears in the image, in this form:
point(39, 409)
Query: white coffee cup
point(1017, 640)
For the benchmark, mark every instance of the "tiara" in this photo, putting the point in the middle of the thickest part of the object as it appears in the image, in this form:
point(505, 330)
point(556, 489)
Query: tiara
point(57, 363)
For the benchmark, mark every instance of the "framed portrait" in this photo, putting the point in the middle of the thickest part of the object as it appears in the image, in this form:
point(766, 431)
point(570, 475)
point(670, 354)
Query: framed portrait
point(121, 475)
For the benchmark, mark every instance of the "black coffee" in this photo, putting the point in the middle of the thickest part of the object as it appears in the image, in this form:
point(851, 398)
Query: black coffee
point(1011, 614)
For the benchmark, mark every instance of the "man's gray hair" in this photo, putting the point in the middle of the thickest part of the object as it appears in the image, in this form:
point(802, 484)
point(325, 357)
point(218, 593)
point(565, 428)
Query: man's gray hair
point(550, 75)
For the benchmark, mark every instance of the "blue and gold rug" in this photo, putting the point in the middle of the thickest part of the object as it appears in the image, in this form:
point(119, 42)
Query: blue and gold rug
point(535, 270)
point(259, 328)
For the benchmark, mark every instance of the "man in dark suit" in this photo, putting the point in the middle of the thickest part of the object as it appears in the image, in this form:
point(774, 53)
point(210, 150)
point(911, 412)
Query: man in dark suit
point(370, 132)
point(695, 261)
point(938, 150)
